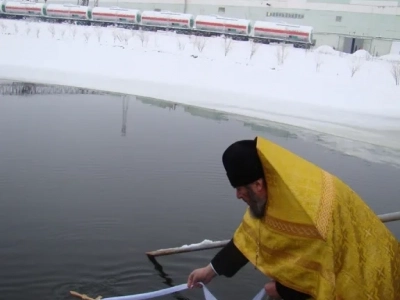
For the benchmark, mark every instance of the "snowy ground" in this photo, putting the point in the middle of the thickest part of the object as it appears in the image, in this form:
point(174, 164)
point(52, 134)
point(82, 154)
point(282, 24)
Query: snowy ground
point(350, 96)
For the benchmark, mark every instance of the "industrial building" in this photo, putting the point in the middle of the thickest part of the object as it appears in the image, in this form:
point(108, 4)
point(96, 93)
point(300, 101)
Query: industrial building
point(346, 25)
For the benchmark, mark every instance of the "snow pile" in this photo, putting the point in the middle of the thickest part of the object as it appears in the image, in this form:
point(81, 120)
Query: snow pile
point(348, 96)
point(391, 57)
point(362, 54)
point(326, 50)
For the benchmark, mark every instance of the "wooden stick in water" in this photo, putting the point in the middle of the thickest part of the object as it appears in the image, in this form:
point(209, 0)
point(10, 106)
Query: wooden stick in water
point(84, 296)
point(394, 216)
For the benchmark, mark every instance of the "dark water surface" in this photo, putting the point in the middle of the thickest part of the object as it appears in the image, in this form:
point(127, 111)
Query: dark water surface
point(81, 201)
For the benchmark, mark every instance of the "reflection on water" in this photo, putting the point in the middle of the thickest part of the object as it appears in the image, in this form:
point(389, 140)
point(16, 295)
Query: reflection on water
point(28, 88)
point(167, 279)
point(276, 131)
point(125, 107)
point(366, 151)
point(207, 114)
point(157, 103)
point(369, 152)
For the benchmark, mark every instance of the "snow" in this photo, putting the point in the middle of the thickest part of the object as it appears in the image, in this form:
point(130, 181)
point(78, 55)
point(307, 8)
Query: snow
point(353, 97)
point(194, 246)
point(203, 243)
point(391, 57)
point(326, 50)
point(362, 54)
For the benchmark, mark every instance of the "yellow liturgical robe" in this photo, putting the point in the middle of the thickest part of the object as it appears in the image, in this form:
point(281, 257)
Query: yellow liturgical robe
point(318, 236)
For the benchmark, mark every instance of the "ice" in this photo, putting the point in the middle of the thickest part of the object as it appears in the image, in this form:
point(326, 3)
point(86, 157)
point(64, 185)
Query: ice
point(350, 97)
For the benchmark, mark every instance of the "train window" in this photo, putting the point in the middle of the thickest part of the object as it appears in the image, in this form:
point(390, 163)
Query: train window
point(157, 9)
point(221, 9)
point(338, 18)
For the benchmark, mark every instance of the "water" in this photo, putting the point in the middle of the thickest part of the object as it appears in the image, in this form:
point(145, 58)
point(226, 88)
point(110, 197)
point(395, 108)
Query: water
point(89, 183)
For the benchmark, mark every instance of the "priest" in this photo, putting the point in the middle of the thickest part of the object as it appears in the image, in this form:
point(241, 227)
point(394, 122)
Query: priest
point(305, 229)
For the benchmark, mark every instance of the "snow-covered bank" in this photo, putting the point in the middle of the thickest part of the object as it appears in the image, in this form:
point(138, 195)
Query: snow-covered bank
point(310, 89)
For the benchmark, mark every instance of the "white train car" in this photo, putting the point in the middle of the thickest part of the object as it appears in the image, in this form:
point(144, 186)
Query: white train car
point(24, 8)
point(167, 19)
point(283, 32)
point(222, 25)
point(116, 14)
point(67, 11)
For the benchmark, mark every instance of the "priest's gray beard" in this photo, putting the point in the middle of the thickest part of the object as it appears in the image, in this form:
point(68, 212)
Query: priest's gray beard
point(257, 204)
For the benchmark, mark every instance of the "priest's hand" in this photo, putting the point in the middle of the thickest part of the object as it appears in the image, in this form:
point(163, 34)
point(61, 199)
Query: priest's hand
point(270, 289)
point(204, 275)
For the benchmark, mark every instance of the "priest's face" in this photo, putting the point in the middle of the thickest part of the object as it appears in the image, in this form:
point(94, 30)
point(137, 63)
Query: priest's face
point(255, 196)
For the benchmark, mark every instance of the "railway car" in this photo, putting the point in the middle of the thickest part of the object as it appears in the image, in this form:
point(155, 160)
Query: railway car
point(67, 11)
point(209, 25)
point(116, 15)
point(265, 32)
point(23, 8)
point(167, 19)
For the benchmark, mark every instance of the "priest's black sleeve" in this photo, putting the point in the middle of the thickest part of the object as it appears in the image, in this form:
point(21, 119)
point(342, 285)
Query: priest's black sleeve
point(289, 294)
point(229, 260)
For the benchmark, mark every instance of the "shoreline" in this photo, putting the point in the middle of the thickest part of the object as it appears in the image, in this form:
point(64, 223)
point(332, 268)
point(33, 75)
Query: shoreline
point(364, 108)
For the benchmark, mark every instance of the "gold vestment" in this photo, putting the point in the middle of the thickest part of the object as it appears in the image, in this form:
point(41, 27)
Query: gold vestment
point(318, 236)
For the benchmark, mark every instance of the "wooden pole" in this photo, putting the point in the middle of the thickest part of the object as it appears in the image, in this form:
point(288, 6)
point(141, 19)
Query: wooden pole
point(394, 216)
point(84, 296)
point(188, 248)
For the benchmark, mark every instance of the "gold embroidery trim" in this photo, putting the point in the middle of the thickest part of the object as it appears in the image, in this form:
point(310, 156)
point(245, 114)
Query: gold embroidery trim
point(319, 231)
point(290, 228)
point(326, 204)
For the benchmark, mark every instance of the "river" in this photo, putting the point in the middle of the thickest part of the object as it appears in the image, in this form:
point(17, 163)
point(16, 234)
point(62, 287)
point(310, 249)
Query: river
point(89, 183)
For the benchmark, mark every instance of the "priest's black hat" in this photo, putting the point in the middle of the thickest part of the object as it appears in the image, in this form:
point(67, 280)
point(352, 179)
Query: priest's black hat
point(242, 163)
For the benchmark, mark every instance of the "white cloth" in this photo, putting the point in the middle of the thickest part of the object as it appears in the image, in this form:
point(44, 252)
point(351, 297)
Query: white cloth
point(178, 288)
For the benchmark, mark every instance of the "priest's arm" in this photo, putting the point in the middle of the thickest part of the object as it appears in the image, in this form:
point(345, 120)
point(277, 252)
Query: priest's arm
point(229, 260)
